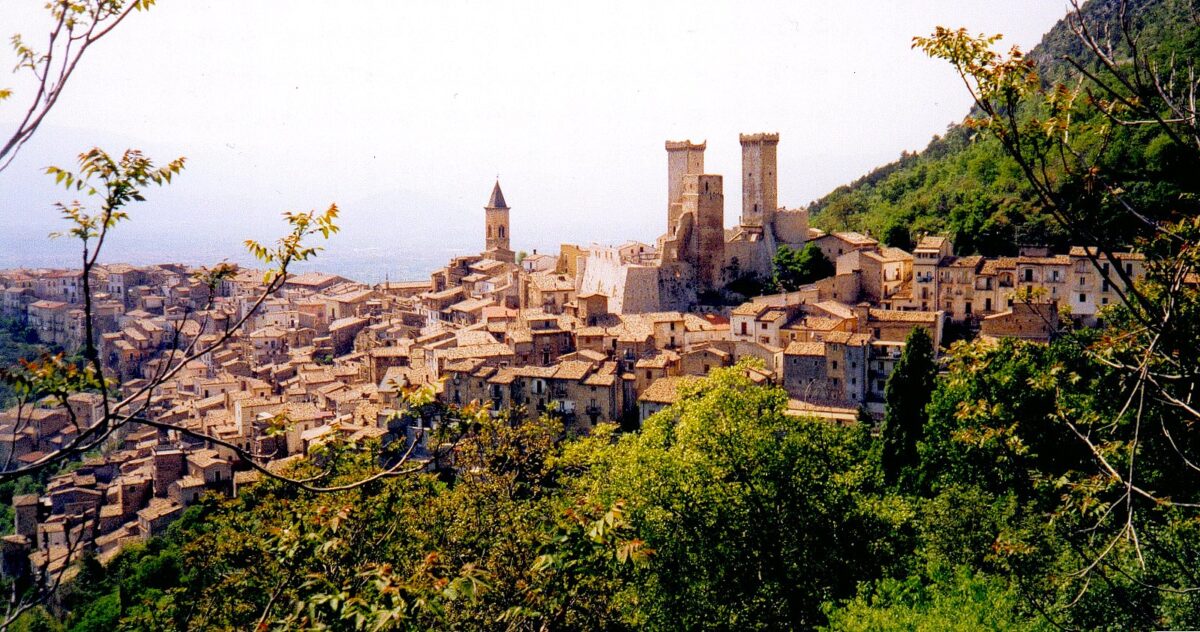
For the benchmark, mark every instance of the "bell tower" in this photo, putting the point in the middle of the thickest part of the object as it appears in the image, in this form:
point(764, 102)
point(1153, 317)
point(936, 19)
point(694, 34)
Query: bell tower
point(497, 235)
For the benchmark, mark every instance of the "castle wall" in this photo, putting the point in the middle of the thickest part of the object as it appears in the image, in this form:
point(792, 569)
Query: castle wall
point(641, 290)
point(791, 227)
point(630, 288)
point(677, 286)
point(751, 256)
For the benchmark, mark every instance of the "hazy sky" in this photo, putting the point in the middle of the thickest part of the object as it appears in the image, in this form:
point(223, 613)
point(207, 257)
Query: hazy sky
point(404, 112)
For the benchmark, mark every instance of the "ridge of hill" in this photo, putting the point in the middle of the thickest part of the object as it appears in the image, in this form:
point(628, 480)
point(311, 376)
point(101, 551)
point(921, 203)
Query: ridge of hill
point(964, 185)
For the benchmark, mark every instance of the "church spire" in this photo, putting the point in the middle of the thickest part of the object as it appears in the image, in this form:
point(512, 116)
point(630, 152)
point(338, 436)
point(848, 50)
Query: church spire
point(497, 199)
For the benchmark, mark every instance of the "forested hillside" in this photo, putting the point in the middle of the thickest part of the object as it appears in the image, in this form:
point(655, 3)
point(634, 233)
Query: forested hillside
point(964, 184)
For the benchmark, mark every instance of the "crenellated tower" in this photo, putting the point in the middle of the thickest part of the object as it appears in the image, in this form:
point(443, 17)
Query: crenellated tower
point(760, 182)
point(684, 158)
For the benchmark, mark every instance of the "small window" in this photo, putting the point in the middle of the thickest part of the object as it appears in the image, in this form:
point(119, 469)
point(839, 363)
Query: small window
point(1083, 298)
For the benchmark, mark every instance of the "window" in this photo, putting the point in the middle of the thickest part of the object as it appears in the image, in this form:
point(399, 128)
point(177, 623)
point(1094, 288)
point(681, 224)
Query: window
point(987, 304)
point(1028, 274)
point(1083, 298)
point(835, 365)
point(743, 329)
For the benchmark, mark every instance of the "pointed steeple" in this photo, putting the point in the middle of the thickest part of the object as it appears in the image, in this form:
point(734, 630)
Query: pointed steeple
point(497, 199)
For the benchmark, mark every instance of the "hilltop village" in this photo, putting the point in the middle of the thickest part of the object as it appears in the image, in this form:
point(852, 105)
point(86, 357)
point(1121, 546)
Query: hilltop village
point(592, 334)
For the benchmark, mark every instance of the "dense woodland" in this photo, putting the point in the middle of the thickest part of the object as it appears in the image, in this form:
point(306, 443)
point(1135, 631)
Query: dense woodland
point(1011, 485)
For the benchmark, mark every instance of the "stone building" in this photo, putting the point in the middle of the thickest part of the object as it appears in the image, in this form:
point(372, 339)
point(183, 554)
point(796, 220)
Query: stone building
point(497, 228)
point(696, 255)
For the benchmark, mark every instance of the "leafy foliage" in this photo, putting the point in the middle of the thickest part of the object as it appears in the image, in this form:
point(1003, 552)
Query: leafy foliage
point(796, 267)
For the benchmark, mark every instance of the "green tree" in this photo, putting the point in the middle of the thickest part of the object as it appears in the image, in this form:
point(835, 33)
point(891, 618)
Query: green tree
point(796, 267)
point(907, 392)
point(755, 517)
point(961, 601)
point(1108, 145)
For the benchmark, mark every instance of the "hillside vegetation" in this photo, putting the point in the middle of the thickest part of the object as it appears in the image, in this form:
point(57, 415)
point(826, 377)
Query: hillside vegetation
point(964, 184)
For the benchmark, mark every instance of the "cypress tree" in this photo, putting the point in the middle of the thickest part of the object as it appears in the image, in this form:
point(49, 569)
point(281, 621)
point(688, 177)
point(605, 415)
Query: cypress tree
point(908, 391)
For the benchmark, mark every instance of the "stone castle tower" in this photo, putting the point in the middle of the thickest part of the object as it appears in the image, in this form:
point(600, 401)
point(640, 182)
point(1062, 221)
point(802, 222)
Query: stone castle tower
point(496, 219)
point(760, 182)
point(683, 158)
point(704, 199)
point(696, 247)
point(693, 249)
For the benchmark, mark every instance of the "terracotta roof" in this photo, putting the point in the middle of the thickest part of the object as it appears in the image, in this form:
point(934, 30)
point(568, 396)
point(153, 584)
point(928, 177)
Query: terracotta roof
point(857, 239)
point(573, 370)
point(550, 282)
point(1056, 260)
point(840, 310)
point(894, 315)
point(805, 349)
point(493, 350)
point(1081, 251)
point(847, 338)
point(665, 390)
point(931, 242)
